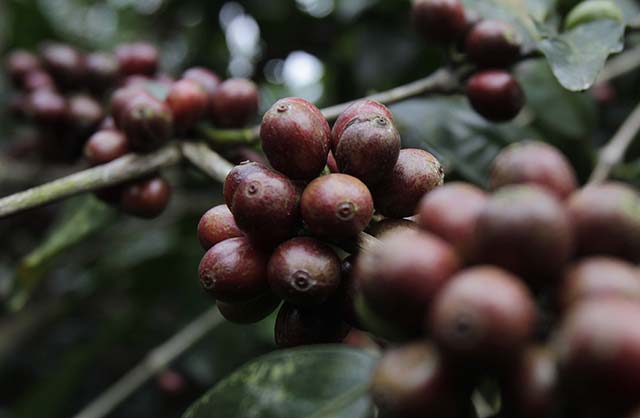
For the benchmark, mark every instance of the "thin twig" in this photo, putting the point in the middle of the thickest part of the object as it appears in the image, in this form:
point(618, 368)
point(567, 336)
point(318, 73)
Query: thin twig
point(207, 160)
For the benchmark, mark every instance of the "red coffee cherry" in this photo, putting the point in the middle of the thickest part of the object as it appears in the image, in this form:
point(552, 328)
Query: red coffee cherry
point(332, 164)
point(84, 114)
point(105, 146)
point(234, 271)
point(237, 176)
point(47, 107)
point(120, 99)
point(390, 225)
point(296, 326)
point(207, 79)
point(495, 95)
point(345, 296)
point(64, 63)
point(606, 220)
point(296, 138)
point(534, 162)
point(337, 206)
point(188, 101)
point(439, 20)
point(38, 80)
point(357, 109)
point(147, 122)
point(235, 103)
point(137, 58)
point(217, 225)
point(483, 318)
point(101, 71)
point(146, 198)
point(304, 271)
point(416, 173)
point(19, 63)
point(251, 311)
point(493, 43)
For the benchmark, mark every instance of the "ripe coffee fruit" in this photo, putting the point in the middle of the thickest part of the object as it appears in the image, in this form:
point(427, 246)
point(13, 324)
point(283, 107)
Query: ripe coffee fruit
point(416, 173)
point(120, 99)
point(216, 225)
point(337, 206)
point(439, 20)
point(534, 162)
point(296, 138)
point(304, 271)
point(606, 219)
point(38, 79)
point(47, 107)
point(101, 71)
point(482, 318)
point(138, 58)
point(357, 109)
point(251, 311)
point(105, 146)
point(19, 63)
point(237, 175)
point(234, 270)
point(495, 95)
point(411, 381)
point(147, 122)
point(188, 101)
point(146, 198)
point(526, 230)
point(207, 79)
point(390, 225)
point(296, 326)
point(84, 114)
point(234, 103)
point(451, 212)
point(64, 63)
point(493, 43)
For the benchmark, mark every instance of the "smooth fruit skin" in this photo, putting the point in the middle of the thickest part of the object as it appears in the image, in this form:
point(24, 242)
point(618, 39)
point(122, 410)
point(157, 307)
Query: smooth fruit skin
point(482, 318)
point(440, 21)
point(19, 63)
point(138, 58)
point(251, 311)
point(493, 43)
point(588, 11)
point(146, 198)
point(357, 109)
point(537, 163)
point(188, 102)
point(303, 271)
point(415, 174)
point(297, 326)
point(105, 146)
point(390, 225)
point(237, 175)
point(451, 212)
point(332, 164)
point(216, 225)
point(36, 80)
point(207, 79)
point(235, 103)
point(101, 71)
point(47, 107)
point(120, 99)
point(496, 95)
point(64, 63)
point(84, 113)
point(606, 220)
point(234, 270)
point(147, 122)
point(337, 206)
point(296, 138)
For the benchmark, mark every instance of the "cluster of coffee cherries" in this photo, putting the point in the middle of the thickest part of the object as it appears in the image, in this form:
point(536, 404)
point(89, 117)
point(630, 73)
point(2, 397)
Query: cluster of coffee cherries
point(492, 45)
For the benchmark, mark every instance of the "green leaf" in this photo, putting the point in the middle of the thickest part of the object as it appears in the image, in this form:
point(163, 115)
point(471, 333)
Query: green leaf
point(310, 382)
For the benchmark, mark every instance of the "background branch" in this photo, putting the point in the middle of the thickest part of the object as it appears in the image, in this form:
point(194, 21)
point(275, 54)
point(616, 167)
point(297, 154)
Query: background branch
point(207, 160)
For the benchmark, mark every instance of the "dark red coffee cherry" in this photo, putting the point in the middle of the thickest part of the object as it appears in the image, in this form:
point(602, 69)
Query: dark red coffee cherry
point(598, 277)
point(217, 225)
point(105, 146)
point(296, 326)
point(451, 212)
point(390, 225)
point(304, 271)
point(101, 71)
point(296, 138)
point(337, 206)
point(84, 114)
point(526, 230)
point(207, 79)
point(251, 311)
point(368, 148)
point(120, 99)
point(147, 122)
point(606, 219)
point(345, 296)
point(146, 198)
point(357, 109)
point(400, 275)
point(411, 381)
point(234, 270)
point(483, 318)
point(47, 107)
point(534, 162)
point(237, 175)
point(19, 63)
point(439, 20)
point(235, 103)
point(416, 173)
point(188, 101)
point(64, 63)
point(493, 43)
point(332, 164)
point(38, 80)
point(496, 95)
point(137, 58)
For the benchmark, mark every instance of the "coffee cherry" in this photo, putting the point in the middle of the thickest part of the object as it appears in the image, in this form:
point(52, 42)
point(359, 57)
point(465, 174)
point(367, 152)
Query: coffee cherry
point(207, 79)
point(137, 58)
point(297, 326)
point(147, 122)
point(400, 275)
point(101, 71)
point(451, 212)
point(251, 311)
point(19, 63)
point(120, 99)
point(368, 148)
point(357, 109)
point(332, 164)
point(304, 271)
point(345, 296)
point(337, 206)
point(416, 173)
point(534, 162)
point(234, 103)
point(296, 138)
point(64, 63)
point(234, 270)
point(597, 277)
point(493, 43)
point(588, 11)
point(105, 146)
point(47, 107)
point(237, 176)
point(439, 20)
point(390, 225)
point(217, 225)
point(188, 101)
point(38, 80)
point(526, 230)
point(482, 318)
point(146, 198)
point(84, 114)
point(495, 95)
point(606, 219)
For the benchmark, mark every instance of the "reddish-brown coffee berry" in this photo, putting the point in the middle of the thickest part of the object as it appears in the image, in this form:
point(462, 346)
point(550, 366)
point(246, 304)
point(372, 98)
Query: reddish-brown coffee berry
point(534, 162)
point(120, 99)
point(451, 212)
point(304, 271)
point(251, 311)
point(19, 63)
point(235, 103)
point(493, 43)
point(146, 198)
point(217, 225)
point(606, 219)
point(147, 122)
point(188, 101)
point(47, 107)
point(416, 173)
point(332, 164)
point(390, 225)
point(336, 205)
point(439, 20)
point(38, 80)
point(207, 79)
point(84, 114)
point(496, 95)
point(237, 175)
point(137, 58)
point(64, 63)
point(360, 108)
point(296, 138)
point(101, 71)
point(105, 146)
point(482, 318)
point(234, 270)
point(296, 326)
